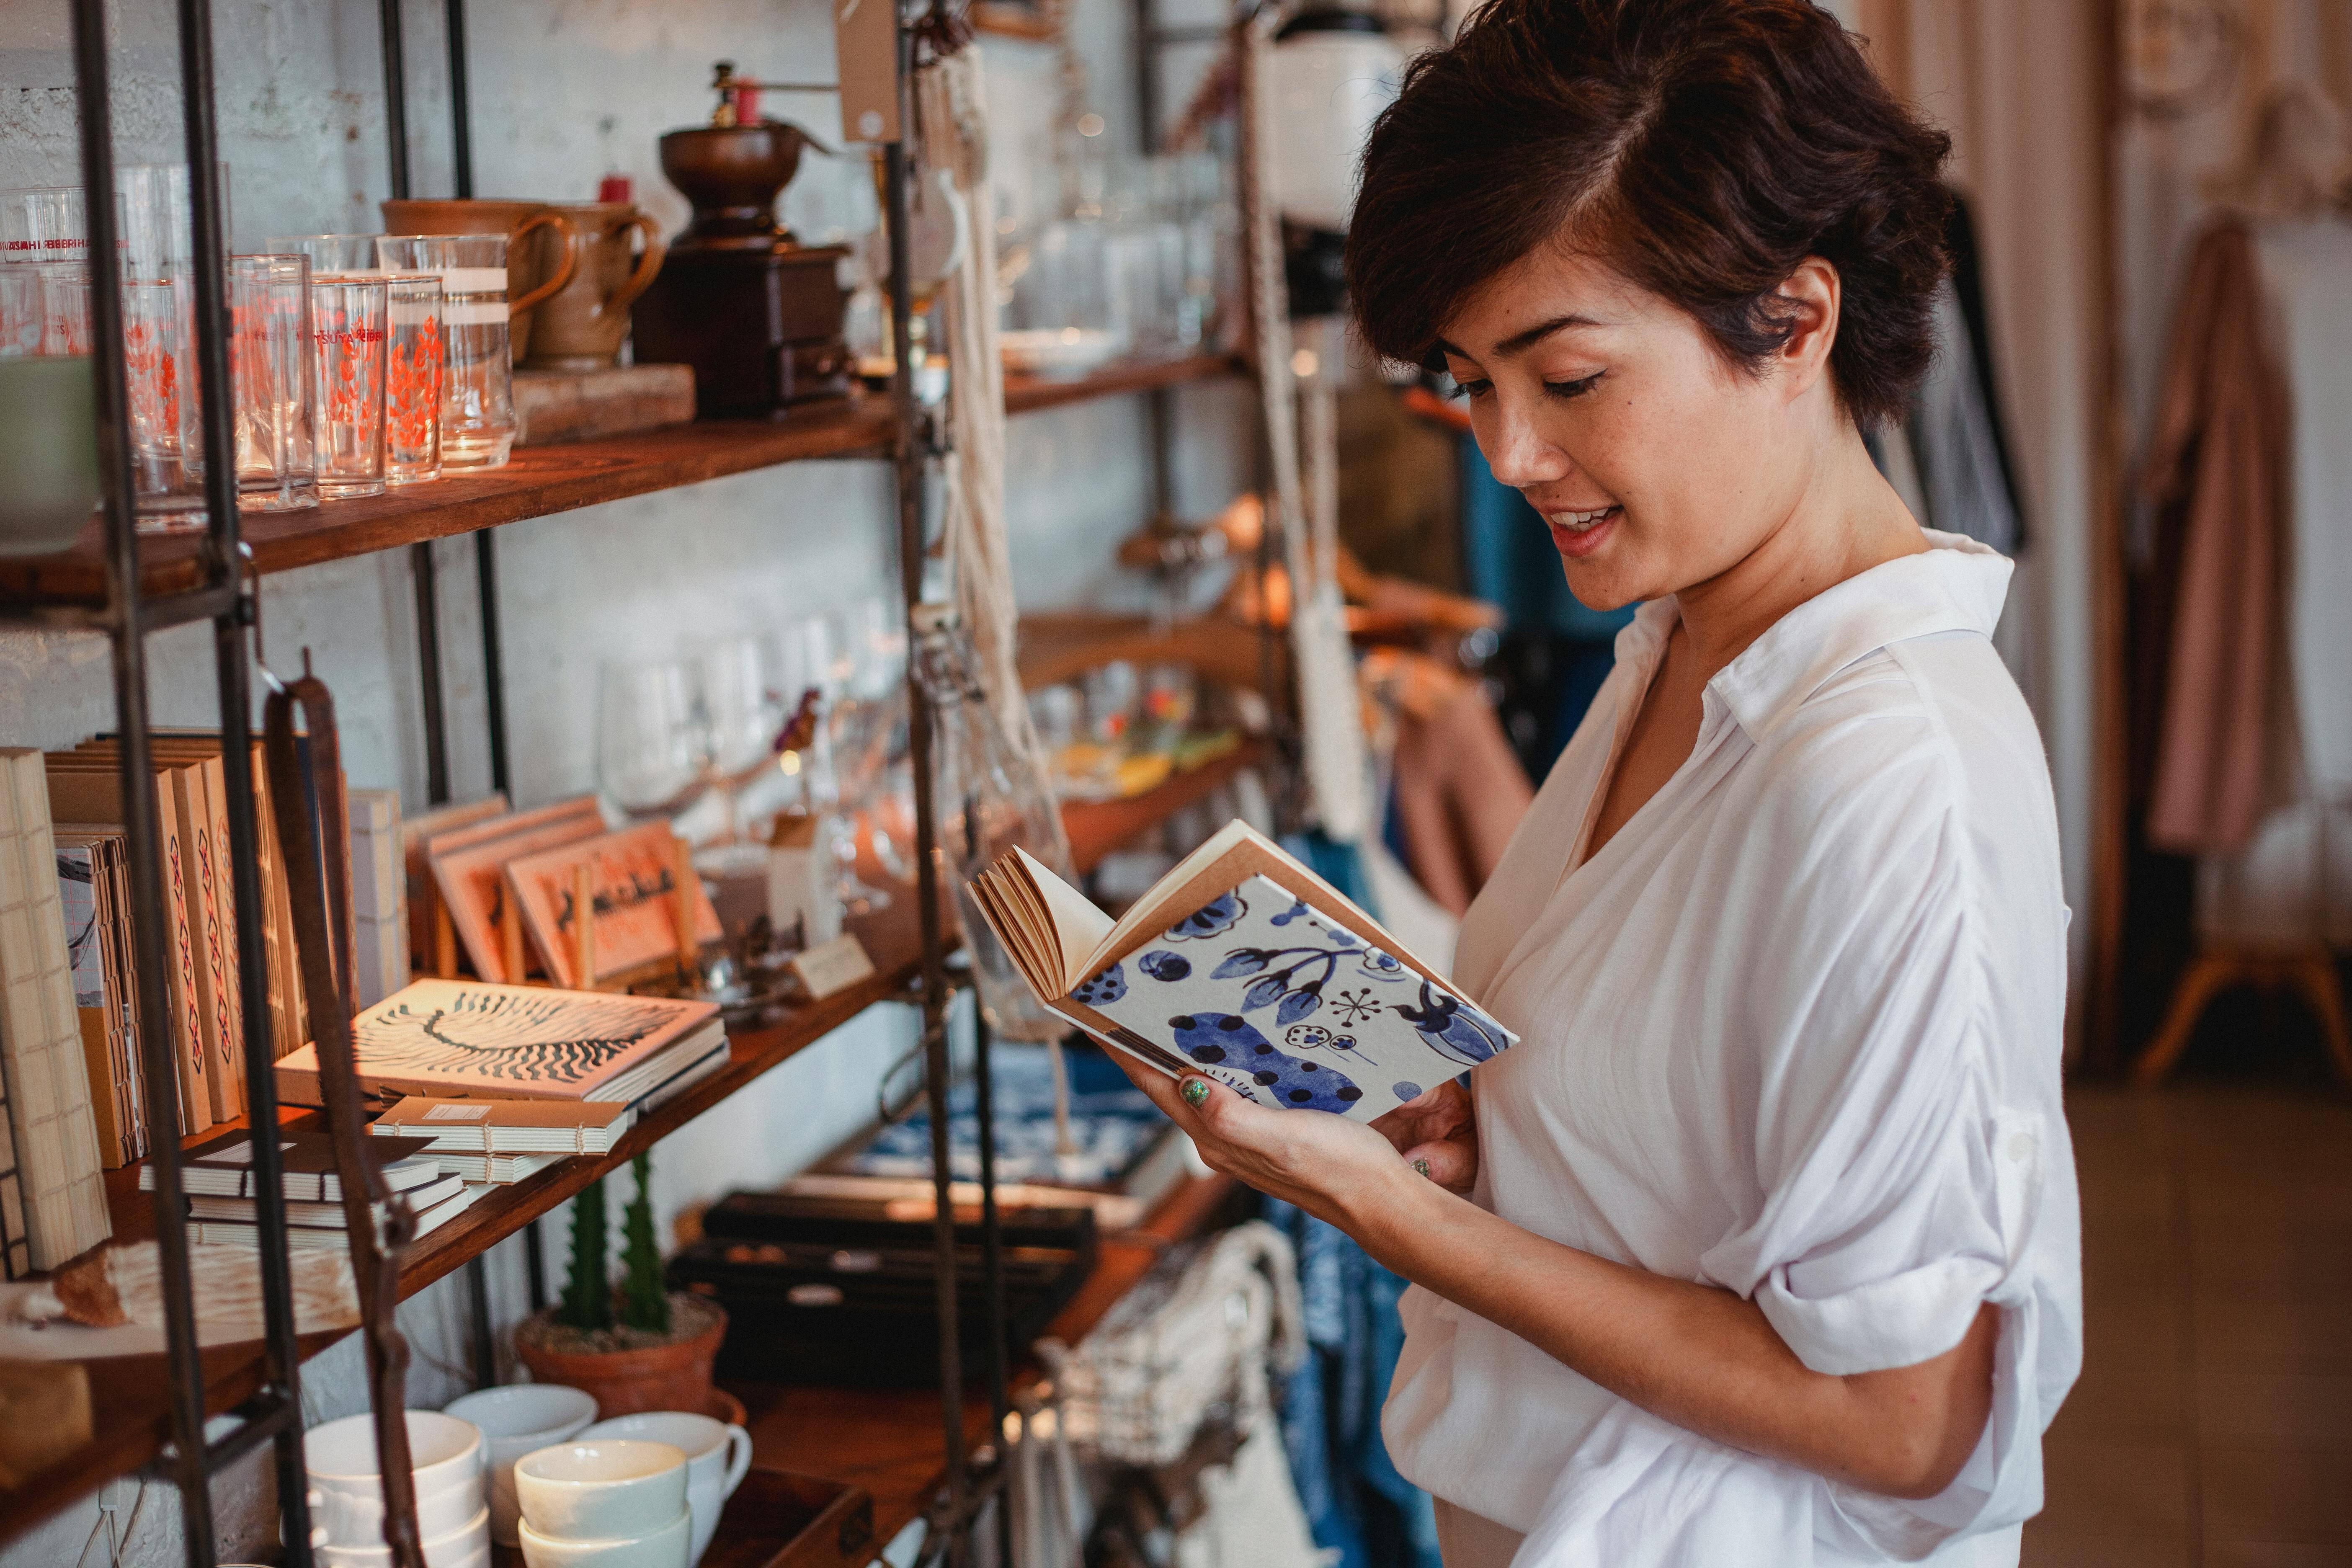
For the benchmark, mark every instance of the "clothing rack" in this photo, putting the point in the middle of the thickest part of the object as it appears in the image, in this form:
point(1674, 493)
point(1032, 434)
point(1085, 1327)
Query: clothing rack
point(225, 593)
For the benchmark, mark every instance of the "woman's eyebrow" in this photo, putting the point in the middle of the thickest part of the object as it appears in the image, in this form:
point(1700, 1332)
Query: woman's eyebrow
point(1519, 341)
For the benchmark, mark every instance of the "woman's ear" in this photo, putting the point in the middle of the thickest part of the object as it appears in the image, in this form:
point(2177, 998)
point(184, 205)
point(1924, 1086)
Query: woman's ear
point(1809, 300)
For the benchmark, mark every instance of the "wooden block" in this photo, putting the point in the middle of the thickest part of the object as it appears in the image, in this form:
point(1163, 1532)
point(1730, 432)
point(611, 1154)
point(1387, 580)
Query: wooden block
point(553, 406)
point(45, 1415)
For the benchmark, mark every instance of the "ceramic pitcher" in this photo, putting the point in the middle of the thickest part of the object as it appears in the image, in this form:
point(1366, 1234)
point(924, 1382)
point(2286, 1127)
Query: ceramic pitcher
point(582, 326)
point(542, 247)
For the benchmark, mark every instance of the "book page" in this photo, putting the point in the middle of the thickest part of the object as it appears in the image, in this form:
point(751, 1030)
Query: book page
point(1077, 925)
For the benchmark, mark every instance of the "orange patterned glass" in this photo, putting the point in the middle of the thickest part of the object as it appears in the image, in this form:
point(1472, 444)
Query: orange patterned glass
point(413, 380)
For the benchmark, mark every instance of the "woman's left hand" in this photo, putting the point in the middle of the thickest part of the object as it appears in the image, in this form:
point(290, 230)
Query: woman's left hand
point(1325, 1163)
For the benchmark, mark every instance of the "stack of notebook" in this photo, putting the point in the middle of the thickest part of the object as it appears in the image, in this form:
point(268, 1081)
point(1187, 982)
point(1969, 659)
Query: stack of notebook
point(222, 1199)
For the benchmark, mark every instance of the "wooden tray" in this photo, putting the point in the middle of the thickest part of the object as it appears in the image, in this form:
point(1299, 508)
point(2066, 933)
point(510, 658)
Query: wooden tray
point(780, 1520)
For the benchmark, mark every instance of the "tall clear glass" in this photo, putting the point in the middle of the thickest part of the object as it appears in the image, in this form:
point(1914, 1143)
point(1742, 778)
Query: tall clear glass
point(20, 311)
point(44, 223)
point(989, 800)
point(271, 360)
point(349, 314)
point(328, 252)
point(167, 472)
point(413, 378)
point(478, 414)
point(65, 308)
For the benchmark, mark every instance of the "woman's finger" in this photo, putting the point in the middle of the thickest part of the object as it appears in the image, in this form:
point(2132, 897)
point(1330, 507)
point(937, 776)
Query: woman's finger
point(1451, 1165)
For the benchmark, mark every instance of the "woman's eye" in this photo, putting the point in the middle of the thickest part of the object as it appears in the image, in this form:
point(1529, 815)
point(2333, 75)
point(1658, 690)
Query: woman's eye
point(1473, 389)
point(1572, 388)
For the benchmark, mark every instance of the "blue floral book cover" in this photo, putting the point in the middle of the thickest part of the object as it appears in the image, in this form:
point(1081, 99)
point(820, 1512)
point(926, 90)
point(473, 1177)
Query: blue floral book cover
point(1244, 966)
point(1258, 991)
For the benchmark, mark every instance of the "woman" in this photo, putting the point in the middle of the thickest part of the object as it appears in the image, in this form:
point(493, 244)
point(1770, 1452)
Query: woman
point(1762, 1246)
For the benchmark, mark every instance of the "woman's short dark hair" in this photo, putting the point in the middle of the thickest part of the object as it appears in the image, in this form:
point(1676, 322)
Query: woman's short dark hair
point(1702, 147)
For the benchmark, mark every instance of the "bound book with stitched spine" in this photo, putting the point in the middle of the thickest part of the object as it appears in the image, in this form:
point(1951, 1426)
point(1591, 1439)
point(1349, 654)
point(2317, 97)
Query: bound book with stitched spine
point(1243, 964)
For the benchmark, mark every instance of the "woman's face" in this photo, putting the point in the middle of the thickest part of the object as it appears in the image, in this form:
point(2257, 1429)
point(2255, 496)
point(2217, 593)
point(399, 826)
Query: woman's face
point(1656, 464)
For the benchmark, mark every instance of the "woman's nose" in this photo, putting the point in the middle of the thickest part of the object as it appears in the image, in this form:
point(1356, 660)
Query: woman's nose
point(1517, 451)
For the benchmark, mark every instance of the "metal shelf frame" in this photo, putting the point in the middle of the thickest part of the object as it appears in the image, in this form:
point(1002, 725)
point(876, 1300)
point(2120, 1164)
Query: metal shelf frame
point(227, 596)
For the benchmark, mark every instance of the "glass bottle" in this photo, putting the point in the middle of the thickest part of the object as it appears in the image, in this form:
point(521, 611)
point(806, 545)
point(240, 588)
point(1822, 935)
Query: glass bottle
point(989, 800)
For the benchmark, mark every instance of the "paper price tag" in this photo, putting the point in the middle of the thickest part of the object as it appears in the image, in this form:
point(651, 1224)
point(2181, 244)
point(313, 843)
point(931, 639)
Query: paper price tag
point(833, 966)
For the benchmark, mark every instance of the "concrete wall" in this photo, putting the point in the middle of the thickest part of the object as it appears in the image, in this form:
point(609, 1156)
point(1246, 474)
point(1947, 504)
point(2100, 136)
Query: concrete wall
point(563, 92)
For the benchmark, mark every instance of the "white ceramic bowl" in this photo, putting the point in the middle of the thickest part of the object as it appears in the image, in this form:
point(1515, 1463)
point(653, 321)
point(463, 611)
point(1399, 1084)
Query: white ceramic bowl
point(610, 1491)
point(446, 1451)
point(717, 1456)
point(516, 1420)
point(665, 1548)
point(466, 1548)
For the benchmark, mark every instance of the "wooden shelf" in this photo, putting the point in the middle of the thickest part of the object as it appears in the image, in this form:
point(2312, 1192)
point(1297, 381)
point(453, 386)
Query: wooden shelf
point(540, 481)
point(1098, 827)
point(1030, 393)
point(892, 1442)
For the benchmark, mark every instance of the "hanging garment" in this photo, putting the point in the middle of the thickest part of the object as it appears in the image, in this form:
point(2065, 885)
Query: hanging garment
point(1794, 1031)
point(2215, 471)
point(1459, 794)
point(1357, 1505)
point(1954, 440)
point(1967, 293)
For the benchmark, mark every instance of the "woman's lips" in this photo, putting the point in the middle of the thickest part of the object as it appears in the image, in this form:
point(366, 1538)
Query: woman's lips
point(1580, 533)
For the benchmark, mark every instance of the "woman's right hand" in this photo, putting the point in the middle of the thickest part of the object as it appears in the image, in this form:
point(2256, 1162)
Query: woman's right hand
point(1440, 1128)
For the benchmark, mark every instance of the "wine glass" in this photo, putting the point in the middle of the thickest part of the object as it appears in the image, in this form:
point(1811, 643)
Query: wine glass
point(868, 672)
point(733, 708)
point(652, 747)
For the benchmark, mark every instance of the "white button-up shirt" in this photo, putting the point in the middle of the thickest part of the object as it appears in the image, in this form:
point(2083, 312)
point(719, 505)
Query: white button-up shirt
point(1793, 1031)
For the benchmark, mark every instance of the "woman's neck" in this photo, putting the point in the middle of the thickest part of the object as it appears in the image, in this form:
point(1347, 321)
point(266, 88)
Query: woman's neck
point(1844, 521)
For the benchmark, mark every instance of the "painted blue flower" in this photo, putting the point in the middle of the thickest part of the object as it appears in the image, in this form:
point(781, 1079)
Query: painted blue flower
point(1380, 965)
point(1241, 961)
point(1307, 1036)
point(1298, 1004)
point(1161, 964)
point(1220, 1040)
point(1405, 1091)
point(1102, 989)
point(1265, 992)
point(1343, 938)
point(1452, 1028)
point(1297, 911)
point(1219, 915)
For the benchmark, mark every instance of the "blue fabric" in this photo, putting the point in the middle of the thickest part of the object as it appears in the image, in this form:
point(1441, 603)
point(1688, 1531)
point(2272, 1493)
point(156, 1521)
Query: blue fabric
point(1354, 1498)
point(1511, 560)
point(1336, 863)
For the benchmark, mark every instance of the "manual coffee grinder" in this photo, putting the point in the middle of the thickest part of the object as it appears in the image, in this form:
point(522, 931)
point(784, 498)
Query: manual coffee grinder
point(756, 313)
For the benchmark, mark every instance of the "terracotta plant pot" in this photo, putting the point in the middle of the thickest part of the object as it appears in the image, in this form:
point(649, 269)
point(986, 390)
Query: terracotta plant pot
point(623, 1381)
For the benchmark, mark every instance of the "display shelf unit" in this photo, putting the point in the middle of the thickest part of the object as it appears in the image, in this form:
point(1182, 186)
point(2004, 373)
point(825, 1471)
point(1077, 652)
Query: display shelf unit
point(539, 482)
point(1098, 827)
point(887, 1440)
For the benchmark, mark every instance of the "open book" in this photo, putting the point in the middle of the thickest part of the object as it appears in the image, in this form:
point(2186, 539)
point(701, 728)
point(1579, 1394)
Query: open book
point(1243, 964)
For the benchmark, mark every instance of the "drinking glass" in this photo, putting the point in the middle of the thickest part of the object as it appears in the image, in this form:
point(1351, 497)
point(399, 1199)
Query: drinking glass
point(413, 379)
point(20, 311)
point(478, 414)
point(348, 313)
point(158, 223)
point(328, 252)
point(166, 453)
point(43, 224)
point(65, 308)
point(740, 722)
point(272, 370)
point(650, 746)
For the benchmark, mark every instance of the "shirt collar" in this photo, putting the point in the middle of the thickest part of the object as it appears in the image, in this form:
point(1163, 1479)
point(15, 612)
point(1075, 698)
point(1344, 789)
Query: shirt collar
point(1955, 584)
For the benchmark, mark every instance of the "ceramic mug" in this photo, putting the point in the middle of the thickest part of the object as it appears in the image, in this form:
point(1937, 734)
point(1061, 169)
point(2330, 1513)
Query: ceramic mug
point(537, 263)
point(447, 1455)
point(717, 1456)
point(663, 1548)
point(613, 1490)
point(519, 1419)
point(582, 326)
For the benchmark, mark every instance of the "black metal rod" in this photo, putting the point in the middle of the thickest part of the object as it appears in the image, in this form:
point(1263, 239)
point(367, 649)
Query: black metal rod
point(936, 1066)
point(395, 99)
point(428, 665)
point(484, 1342)
point(143, 832)
point(534, 1266)
point(494, 678)
point(461, 114)
point(259, 1419)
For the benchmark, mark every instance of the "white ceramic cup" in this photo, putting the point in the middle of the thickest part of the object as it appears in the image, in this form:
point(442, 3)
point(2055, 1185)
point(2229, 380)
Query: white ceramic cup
point(717, 1454)
point(516, 1420)
point(613, 1490)
point(466, 1548)
point(445, 1452)
point(665, 1548)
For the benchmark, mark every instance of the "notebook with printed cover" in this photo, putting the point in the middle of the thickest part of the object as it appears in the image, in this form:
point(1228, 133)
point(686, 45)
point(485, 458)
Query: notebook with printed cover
point(508, 1126)
point(1244, 965)
point(467, 1038)
point(306, 1158)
